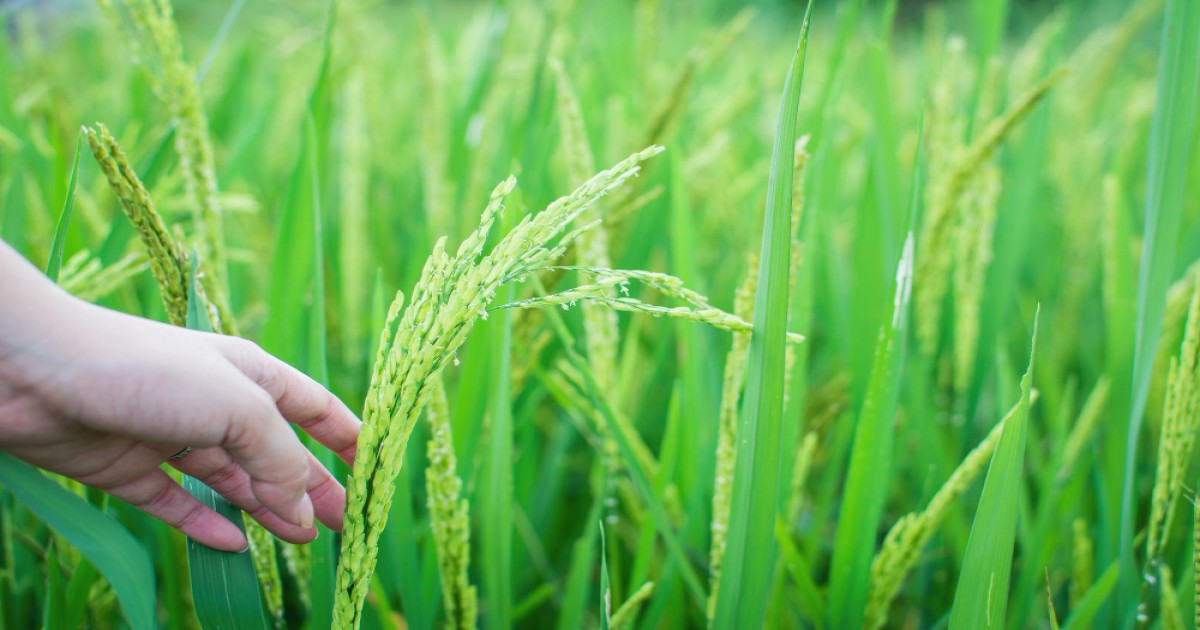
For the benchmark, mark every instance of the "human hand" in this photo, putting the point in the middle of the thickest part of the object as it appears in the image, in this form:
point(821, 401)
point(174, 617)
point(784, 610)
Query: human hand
point(106, 398)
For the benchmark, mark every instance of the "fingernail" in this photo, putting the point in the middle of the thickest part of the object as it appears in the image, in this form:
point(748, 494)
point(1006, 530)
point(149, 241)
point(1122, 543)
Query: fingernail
point(306, 512)
point(246, 548)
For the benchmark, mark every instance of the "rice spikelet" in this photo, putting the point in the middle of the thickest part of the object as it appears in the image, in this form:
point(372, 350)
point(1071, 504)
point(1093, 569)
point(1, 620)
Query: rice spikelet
point(452, 294)
point(1172, 614)
point(1181, 411)
point(151, 29)
point(449, 515)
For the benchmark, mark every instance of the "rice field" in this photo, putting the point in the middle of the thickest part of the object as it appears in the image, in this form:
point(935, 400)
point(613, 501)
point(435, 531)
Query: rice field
point(657, 314)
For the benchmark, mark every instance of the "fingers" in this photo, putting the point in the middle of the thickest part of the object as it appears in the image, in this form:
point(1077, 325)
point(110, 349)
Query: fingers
point(299, 398)
point(159, 496)
point(263, 444)
point(328, 496)
point(218, 470)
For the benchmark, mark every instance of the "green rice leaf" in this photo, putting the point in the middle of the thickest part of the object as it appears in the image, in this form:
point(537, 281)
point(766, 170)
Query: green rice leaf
point(120, 558)
point(981, 599)
point(224, 584)
point(77, 593)
point(55, 605)
point(1171, 134)
point(750, 547)
point(64, 218)
point(870, 461)
point(1085, 611)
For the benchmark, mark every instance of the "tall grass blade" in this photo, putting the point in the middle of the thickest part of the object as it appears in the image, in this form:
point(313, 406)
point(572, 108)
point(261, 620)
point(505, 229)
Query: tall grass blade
point(750, 548)
point(64, 218)
point(870, 461)
point(105, 543)
point(56, 602)
point(981, 599)
point(1171, 135)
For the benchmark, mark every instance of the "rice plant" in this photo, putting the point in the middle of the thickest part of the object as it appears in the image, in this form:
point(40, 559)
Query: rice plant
point(656, 315)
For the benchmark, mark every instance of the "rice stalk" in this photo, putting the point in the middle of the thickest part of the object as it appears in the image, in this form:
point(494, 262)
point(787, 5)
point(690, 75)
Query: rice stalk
point(171, 266)
point(605, 291)
point(1099, 55)
point(1084, 427)
point(1172, 615)
point(627, 612)
point(904, 542)
point(574, 388)
point(298, 560)
point(971, 259)
point(952, 171)
point(667, 112)
point(168, 261)
point(415, 346)
point(151, 30)
point(1196, 561)
point(601, 335)
point(1175, 313)
point(449, 516)
point(731, 389)
point(1181, 411)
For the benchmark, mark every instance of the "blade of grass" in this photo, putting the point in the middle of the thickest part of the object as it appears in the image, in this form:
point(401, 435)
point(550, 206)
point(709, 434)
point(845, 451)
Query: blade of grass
point(56, 602)
point(571, 613)
point(235, 8)
point(981, 598)
point(870, 461)
point(750, 547)
point(1085, 611)
point(1171, 136)
point(120, 558)
point(64, 219)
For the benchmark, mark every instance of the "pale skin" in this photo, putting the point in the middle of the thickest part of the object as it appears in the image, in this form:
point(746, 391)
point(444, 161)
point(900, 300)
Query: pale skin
point(107, 398)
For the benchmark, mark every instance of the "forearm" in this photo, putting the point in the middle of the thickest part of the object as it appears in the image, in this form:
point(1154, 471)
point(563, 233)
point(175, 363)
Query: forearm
point(32, 309)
